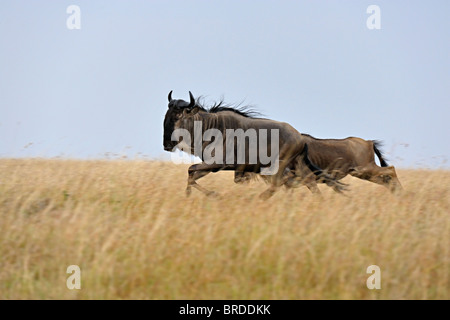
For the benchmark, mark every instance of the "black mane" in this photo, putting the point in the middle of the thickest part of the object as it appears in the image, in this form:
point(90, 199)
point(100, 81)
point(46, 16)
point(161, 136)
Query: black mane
point(245, 111)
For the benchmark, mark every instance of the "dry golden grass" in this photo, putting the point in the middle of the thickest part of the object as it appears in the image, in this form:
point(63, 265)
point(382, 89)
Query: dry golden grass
point(135, 235)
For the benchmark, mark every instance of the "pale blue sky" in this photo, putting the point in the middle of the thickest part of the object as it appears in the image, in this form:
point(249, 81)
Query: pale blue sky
point(314, 64)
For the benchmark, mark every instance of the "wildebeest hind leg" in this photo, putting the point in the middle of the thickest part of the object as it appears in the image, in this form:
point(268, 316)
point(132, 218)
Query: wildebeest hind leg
point(313, 188)
point(276, 181)
point(269, 192)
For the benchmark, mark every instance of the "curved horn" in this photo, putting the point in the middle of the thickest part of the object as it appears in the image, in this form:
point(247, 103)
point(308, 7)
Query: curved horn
point(170, 95)
point(192, 103)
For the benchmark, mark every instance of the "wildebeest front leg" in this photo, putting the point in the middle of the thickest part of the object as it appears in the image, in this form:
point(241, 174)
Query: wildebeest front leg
point(198, 171)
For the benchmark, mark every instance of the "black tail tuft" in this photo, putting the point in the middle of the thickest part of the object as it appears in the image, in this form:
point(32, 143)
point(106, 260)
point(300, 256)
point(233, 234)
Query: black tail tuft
point(322, 176)
point(376, 147)
point(317, 171)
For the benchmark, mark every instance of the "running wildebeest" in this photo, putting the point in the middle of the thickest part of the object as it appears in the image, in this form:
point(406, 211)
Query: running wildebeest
point(354, 156)
point(189, 117)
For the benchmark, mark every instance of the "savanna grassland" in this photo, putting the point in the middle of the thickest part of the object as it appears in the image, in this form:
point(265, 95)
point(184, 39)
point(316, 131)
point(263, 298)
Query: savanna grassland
point(130, 228)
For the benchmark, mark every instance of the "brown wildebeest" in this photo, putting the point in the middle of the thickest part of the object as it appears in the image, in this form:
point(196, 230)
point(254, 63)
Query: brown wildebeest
point(354, 156)
point(340, 157)
point(192, 119)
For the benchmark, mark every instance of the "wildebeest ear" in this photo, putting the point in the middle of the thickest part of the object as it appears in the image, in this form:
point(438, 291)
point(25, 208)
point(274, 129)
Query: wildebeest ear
point(190, 111)
point(194, 110)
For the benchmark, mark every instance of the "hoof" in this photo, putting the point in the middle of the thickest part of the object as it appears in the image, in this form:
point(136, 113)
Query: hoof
point(212, 194)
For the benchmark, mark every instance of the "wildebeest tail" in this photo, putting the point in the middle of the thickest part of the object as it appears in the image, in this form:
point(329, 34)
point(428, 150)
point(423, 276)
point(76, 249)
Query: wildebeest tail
point(321, 175)
point(317, 171)
point(313, 167)
point(376, 148)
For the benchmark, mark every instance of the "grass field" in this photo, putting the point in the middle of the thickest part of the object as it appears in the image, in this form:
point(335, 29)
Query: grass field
point(134, 235)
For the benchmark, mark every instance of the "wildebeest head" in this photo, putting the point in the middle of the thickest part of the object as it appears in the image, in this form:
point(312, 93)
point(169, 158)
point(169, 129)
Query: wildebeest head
point(177, 109)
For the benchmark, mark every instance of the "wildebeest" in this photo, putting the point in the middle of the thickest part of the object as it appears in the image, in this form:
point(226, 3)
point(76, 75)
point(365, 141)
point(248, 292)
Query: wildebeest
point(340, 157)
point(182, 115)
point(354, 156)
